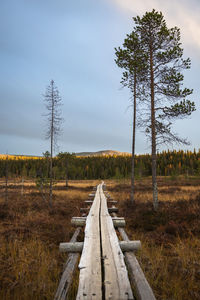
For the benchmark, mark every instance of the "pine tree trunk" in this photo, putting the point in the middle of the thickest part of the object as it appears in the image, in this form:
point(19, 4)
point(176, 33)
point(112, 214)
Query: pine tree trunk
point(133, 144)
point(153, 136)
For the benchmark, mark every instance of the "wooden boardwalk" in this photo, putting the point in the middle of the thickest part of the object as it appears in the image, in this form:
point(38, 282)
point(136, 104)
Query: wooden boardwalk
point(109, 274)
point(103, 271)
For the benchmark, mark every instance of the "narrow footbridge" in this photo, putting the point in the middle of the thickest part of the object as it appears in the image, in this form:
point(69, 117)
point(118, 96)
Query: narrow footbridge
point(108, 266)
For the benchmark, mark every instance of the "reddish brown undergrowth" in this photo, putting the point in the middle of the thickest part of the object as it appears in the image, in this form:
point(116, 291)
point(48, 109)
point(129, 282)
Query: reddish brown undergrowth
point(30, 233)
point(30, 261)
point(170, 254)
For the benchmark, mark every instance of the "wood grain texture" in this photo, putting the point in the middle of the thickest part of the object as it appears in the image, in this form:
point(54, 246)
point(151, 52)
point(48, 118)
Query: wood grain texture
point(90, 280)
point(142, 288)
point(101, 242)
point(116, 282)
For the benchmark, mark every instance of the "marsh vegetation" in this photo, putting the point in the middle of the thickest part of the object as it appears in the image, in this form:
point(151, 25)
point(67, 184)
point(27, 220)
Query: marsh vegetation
point(31, 264)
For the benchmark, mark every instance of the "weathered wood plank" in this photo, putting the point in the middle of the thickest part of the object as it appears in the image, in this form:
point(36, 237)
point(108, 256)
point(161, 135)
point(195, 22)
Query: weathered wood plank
point(116, 282)
point(90, 280)
point(69, 269)
point(137, 277)
point(142, 287)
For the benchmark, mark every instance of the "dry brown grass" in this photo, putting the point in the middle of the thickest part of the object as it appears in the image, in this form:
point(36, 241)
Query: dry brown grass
point(170, 255)
point(31, 264)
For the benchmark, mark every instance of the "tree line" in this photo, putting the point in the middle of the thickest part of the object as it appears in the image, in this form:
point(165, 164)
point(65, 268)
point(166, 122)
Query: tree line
point(66, 166)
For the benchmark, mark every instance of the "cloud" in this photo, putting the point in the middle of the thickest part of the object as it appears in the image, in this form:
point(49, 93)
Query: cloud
point(183, 14)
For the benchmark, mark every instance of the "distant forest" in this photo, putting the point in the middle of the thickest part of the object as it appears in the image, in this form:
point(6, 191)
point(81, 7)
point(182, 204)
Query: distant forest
point(169, 163)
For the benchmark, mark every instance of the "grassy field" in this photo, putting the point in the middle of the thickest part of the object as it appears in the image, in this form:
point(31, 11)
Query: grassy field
point(31, 264)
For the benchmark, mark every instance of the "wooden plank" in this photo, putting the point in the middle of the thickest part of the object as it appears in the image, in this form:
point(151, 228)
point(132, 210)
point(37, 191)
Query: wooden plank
point(90, 280)
point(138, 280)
point(116, 282)
point(69, 269)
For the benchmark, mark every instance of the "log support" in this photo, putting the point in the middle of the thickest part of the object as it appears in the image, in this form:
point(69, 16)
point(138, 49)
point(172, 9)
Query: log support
point(89, 201)
point(78, 246)
point(108, 201)
point(81, 221)
point(110, 209)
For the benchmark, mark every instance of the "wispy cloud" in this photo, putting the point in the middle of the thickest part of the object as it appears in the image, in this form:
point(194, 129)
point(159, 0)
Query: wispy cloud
point(183, 14)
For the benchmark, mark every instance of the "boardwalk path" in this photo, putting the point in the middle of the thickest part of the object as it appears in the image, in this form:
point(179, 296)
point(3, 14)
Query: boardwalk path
point(105, 278)
point(103, 273)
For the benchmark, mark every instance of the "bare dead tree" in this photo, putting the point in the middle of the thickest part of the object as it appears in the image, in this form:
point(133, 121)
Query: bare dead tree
point(52, 103)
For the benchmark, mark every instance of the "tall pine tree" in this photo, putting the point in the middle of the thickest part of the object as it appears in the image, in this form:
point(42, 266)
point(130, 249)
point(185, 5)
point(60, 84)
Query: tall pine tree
point(131, 58)
point(164, 79)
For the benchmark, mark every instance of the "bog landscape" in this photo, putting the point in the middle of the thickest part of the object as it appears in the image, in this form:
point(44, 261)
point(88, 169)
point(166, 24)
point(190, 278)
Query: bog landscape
point(31, 264)
point(104, 225)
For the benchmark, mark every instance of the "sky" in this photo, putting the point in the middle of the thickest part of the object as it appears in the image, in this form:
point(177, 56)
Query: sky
point(72, 42)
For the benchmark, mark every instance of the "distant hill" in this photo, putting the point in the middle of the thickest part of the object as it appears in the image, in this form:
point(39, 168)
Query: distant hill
point(80, 154)
point(103, 153)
